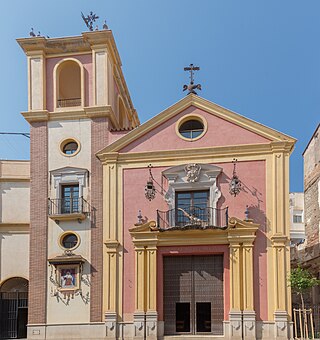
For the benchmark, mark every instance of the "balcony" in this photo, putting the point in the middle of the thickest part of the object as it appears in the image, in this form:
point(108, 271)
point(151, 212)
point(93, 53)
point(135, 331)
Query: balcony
point(191, 217)
point(70, 102)
point(69, 208)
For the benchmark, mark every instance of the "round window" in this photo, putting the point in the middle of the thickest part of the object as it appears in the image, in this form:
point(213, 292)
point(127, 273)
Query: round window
point(69, 241)
point(191, 129)
point(69, 147)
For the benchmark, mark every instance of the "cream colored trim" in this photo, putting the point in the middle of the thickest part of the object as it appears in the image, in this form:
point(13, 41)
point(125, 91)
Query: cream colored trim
point(82, 113)
point(36, 116)
point(223, 152)
point(68, 217)
point(68, 232)
point(191, 117)
point(67, 54)
point(56, 74)
point(64, 142)
point(15, 228)
point(214, 109)
point(14, 179)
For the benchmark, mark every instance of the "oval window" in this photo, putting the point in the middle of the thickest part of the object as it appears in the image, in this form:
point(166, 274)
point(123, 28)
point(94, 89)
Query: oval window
point(191, 129)
point(70, 147)
point(69, 241)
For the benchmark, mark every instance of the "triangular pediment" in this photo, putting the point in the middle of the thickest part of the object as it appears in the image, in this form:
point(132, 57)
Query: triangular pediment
point(265, 133)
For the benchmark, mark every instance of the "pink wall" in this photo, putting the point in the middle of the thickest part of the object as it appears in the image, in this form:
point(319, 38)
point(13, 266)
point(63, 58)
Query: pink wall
point(220, 132)
point(86, 61)
point(252, 175)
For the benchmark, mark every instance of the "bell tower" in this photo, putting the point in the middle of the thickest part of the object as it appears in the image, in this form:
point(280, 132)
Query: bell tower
point(77, 97)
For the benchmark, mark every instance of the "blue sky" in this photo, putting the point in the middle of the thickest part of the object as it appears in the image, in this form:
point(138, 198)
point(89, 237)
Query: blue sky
point(258, 58)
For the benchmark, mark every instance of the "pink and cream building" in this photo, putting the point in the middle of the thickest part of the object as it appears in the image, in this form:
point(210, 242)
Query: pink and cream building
point(134, 230)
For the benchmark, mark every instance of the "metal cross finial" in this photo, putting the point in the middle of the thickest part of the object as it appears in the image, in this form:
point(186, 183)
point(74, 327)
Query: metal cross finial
point(192, 68)
point(89, 20)
point(191, 87)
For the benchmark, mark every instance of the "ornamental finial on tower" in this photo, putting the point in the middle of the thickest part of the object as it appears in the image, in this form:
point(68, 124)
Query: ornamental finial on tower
point(191, 87)
point(89, 20)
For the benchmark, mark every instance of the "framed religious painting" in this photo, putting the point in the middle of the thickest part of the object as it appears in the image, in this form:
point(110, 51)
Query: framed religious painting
point(68, 277)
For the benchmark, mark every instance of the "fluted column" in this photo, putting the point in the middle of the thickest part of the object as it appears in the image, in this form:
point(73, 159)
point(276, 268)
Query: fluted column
point(280, 284)
point(248, 314)
point(140, 288)
point(111, 289)
point(235, 315)
point(151, 278)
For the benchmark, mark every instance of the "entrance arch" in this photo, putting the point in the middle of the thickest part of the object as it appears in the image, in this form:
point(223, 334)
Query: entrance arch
point(14, 308)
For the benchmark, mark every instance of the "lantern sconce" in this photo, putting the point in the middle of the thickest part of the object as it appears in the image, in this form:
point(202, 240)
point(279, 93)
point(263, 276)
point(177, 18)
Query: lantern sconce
point(150, 190)
point(235, 183)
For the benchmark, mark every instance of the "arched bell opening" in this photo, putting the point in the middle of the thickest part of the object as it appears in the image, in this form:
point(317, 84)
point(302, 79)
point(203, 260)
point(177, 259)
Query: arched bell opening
point(68, 84)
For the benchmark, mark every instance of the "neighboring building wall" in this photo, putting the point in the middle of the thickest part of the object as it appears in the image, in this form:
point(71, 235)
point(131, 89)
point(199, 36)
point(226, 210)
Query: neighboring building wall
point(297, 229)
point(312, 189)
point(14, 219)
point(308, 254)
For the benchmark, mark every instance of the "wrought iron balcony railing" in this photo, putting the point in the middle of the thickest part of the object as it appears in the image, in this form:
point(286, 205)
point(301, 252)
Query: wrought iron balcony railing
point(68, 206)
point(192, 217)
point(69, 102)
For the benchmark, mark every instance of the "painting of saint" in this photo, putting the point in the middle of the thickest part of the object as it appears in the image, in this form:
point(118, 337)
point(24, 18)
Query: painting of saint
point(68, 278)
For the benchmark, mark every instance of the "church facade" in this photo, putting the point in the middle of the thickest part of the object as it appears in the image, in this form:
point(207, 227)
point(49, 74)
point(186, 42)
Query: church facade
point(178, 227)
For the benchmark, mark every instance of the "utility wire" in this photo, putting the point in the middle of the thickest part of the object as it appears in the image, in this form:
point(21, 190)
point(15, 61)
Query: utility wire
point(25, 134)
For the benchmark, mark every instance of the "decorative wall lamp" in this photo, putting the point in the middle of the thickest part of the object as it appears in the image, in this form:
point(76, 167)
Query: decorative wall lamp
point(235, 183)
point(150, 190)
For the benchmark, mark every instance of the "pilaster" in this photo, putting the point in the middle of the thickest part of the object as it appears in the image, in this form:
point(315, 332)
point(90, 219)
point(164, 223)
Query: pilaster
point(140, 289)
point(281, 315)
point(248, 315)
point(151, 277)
point(111, 289)
point(36, 81)
point(100, 76)
point(235, 315)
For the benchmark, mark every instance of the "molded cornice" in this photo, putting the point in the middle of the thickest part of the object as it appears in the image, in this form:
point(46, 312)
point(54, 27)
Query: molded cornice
point(196, 154)
point(238, 232)
point(81, 113)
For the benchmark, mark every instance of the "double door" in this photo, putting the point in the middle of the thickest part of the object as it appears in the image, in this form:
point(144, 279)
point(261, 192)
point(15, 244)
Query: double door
point(193, 295)
point(70, 199)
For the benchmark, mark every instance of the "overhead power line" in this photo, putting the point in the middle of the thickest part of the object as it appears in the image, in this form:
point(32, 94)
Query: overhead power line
point(25, 134)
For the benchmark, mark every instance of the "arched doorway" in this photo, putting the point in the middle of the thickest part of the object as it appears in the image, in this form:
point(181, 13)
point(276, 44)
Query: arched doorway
point(14, 308)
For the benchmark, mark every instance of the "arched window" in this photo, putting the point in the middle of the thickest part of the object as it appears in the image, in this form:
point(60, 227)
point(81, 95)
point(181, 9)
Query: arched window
point(15, 284)
point(68, 84)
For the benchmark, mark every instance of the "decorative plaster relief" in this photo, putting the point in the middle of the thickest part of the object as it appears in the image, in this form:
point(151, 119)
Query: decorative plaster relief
point(69, 175)
point(188, 177)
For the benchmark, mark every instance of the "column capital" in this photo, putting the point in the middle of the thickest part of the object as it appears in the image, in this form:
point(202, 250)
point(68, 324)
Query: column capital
point(279, 240)
point(112, 246)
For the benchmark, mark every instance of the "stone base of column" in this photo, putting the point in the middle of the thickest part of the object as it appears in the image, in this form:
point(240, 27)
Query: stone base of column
point(139, 323)
point(282, 325)
point(151, 325)
point(111, 325)
point(235, 325)
point(249, 324)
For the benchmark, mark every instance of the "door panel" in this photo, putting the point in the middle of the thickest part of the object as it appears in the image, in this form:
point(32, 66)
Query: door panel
point(193, 295)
